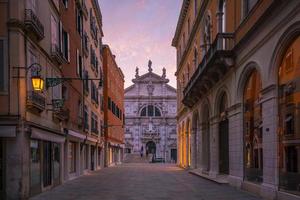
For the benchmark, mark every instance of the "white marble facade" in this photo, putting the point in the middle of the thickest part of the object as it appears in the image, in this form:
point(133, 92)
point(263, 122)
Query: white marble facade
point(150, 116)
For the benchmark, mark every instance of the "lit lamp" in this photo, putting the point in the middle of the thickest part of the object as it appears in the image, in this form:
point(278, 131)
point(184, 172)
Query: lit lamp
point(37, 83)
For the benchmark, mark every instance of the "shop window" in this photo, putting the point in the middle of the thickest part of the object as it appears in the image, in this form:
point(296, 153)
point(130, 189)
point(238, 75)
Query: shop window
point(291, 159)
point(288, 132)
point(252, 115)
point(35, 167)
point(289, 124)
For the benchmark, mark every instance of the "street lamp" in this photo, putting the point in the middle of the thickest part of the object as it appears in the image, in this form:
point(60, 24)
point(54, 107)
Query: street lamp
point(37, 83)
point(36, 78)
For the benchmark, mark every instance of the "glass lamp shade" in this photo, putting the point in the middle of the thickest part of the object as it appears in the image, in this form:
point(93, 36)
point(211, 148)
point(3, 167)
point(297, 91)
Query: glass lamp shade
point(37, 83)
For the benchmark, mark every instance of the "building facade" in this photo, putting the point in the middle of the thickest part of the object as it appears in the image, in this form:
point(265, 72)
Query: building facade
point(150, 116)
point(113, 95)
point(42, 137)
point(238, 93)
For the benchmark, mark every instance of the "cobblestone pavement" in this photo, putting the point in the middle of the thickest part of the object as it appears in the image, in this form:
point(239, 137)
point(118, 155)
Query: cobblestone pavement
point(141, 182)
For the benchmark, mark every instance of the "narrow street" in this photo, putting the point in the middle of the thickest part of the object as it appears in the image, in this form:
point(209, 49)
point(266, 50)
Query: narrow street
point(143, 181)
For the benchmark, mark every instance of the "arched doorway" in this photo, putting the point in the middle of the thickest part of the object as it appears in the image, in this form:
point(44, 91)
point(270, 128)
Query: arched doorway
point(253, 151)
point(205, 139)
point(151, 147)
point(289, 119)
point(223, 136)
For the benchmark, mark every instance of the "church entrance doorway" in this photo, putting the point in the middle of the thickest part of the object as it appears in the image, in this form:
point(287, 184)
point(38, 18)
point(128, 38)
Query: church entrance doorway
point(151, 147)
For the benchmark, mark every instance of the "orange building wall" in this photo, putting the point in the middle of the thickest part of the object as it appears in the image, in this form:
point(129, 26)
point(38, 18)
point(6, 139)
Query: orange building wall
point(74, 88)
point(113, 88)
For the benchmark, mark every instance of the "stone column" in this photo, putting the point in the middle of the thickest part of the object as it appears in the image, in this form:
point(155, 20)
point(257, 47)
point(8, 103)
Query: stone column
point(235, 134)
point(214, 147)
point(270, 164)
point(194, 148)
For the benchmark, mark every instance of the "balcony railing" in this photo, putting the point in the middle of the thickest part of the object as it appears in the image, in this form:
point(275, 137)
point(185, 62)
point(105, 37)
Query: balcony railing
point(216, 60)
point(57, 55)
point(62, 114)
point(36, 101)
point(33, 24)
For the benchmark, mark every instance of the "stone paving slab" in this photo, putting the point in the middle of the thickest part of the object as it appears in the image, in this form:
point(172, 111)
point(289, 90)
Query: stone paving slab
point(143, 182)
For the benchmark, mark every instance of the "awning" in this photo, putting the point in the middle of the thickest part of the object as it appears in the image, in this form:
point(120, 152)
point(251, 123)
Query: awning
point(46, 136)
point(8, 131)
point(76, 134)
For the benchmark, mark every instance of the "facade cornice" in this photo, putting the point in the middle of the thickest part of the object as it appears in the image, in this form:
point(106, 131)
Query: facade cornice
point(192, 35)
point(147, 97)
point(183, 11)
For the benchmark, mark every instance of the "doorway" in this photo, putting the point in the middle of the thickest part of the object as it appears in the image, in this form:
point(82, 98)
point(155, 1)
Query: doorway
point(174, 155)
point(47, 163)
point(151, 147)
point(223, 147)
point(92, 158)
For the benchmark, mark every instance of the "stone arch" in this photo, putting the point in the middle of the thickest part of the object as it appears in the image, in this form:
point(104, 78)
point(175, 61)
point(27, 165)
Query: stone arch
point(248, 69)
point(284, 73)
point(205, 135)
point(291, 33)
point(223, 90)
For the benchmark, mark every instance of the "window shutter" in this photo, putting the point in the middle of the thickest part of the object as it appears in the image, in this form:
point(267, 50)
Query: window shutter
point(2, 77)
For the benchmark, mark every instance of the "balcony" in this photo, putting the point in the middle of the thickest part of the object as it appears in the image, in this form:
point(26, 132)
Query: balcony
point(62, 114)
point(33, 24)
point(36, 101)
point(214, 65)
point(57, 55)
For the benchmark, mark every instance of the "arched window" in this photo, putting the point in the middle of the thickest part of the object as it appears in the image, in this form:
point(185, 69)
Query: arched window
point(289, 118)
point(150, 111)
point(252, 124)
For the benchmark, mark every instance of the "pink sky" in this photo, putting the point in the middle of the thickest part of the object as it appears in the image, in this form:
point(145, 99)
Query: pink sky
point(139, 30)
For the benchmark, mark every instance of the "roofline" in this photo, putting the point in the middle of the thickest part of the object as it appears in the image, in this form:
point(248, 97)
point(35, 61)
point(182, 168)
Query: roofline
point(183, 11)
point(98, 15)
point(106, 46)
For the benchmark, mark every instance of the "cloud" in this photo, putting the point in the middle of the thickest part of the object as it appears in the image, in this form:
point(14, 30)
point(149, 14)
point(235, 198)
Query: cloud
point(137, 30)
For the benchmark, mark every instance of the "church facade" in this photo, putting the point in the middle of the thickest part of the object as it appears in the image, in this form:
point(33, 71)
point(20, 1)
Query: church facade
point(150, 116)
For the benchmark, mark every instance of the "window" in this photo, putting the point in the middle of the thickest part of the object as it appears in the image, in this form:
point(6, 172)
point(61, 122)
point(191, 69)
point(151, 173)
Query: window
point(66, 45)
point(248, 5)
point(289, 124)
point(94, 93)
point(150, 111)
point(292, 159)
point(109, 103)
point(57, 91)
point(86, 81)
point(253, 154)
point(78, 63)
point(94, 121)
point(65, 2)
point(78, 22)
point(3, 67)
point(64, 92)
point(54, 34)
point(86, 117)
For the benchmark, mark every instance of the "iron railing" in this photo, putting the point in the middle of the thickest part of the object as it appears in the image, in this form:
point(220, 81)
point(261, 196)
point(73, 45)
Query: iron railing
point(223, 43)
point(36, 100)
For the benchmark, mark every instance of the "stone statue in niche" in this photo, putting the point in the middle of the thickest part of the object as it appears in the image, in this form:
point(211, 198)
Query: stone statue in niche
point(150, 88)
